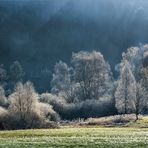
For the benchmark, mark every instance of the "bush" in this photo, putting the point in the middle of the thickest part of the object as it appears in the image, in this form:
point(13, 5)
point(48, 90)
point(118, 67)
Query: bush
point(25, 111)
point(33, 120)
point(58, 103)
point(3, 99)
point(110, 120)
point(3, 117)
point(48, 112)
point(84, 109)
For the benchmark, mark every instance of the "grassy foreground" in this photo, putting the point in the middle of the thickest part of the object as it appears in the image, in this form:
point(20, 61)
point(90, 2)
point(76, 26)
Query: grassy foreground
point(94, 137)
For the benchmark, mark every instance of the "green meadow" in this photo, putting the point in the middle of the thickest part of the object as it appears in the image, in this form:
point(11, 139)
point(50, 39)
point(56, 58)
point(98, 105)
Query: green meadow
point(66, 137)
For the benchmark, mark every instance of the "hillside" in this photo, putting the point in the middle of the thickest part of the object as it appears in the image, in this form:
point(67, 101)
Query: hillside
point(40, 33)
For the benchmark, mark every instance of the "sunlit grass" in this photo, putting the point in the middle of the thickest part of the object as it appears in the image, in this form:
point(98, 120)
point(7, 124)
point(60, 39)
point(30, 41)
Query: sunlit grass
point(76, 137)
point(142, 123)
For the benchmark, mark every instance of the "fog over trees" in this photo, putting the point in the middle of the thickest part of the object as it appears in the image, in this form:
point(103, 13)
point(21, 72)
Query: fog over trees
point(50, 30)
point(83, 88)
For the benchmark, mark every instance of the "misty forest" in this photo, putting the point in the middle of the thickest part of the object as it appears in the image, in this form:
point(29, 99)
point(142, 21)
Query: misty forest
point(73, 63)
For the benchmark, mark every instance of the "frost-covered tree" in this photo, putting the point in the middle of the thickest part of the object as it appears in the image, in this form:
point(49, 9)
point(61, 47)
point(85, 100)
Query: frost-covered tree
point(126, 89)
point(3, 75)
point(61, 82)
point(16, 72)
point(135, 75)
point(61, 78)
point(23, 109)
point(145, 71)
point(134, 56)
point(141, 99)
point(145, 78)
point(145, 56)
point(3, 116)
point(92, 74)
point(3, 99)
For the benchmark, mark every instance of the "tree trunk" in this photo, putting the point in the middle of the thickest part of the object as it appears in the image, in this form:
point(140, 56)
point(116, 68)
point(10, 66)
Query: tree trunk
point(137, 116)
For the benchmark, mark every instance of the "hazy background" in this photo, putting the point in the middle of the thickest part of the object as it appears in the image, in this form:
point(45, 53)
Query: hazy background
point(39, 33)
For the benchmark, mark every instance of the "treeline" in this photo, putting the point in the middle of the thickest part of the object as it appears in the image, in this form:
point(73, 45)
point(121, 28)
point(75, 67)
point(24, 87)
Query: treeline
point(9, 78)
point(85, 88)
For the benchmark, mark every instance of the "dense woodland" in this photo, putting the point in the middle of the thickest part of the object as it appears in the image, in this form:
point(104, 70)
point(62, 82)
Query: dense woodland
point(84, 88)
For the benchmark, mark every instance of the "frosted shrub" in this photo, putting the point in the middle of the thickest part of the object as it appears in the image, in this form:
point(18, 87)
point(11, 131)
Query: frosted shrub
point(3, 117)
point(3, 99)
point(24, 111)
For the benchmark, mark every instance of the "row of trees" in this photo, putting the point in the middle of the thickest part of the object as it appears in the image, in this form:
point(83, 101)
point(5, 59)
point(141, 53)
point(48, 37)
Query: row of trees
point(84, 89)
point(8, 79)
point(90, 78)
point(131, 92)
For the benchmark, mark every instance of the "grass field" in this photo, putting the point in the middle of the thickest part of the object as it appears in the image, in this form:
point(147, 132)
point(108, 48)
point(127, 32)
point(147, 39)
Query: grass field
point(94, 137)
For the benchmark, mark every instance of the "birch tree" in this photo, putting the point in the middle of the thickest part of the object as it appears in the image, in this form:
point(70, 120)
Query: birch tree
point(141, 99)
point(61, 78)
point(23, 109)
point(92, 73)
point(126, 89)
